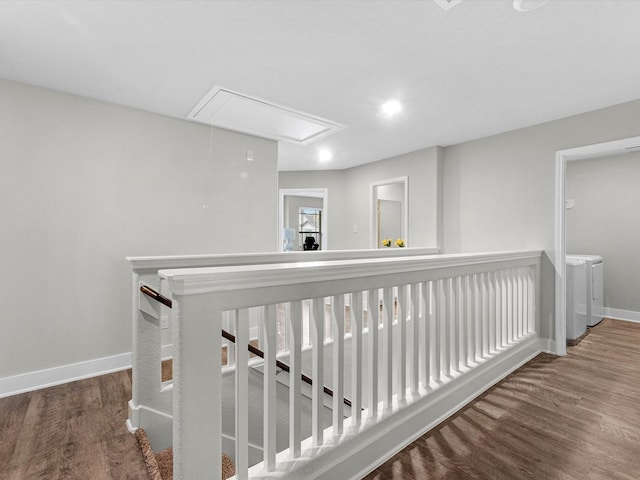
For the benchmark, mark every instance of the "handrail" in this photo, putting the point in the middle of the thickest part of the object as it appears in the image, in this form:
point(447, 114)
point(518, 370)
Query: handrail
point(150, 292)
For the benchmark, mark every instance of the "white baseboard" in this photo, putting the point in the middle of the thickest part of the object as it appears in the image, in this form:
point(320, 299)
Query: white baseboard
point(617, 314)
point(30, 381)
point(548, 346)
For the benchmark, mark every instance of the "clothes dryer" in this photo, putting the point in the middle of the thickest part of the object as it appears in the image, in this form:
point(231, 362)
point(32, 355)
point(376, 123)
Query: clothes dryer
point(594, 286)
point(576, 298)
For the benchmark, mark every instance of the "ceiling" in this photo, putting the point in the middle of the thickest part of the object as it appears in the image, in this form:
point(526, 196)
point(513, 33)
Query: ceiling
point(478, 69)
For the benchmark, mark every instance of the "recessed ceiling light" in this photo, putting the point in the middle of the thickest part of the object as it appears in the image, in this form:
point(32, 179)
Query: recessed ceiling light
point(528, 5)
point(325, 155)
point(391, 108)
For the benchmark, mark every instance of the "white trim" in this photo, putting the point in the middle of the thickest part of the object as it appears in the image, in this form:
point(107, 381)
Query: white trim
point(625, 315)
point(548, 346)
point(49, 377)
point(560, 260)
point(562, 157)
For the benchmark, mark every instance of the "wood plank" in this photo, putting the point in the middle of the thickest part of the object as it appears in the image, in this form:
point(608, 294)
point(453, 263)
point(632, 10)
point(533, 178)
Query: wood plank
point(71, 431)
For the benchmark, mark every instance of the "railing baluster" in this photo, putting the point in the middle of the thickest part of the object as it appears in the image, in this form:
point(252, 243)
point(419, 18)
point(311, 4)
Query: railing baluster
point(491, 319)
point(356, 360)
point(504, 287)
point(437, 334)
point(531, 316)
point(426, 350)
point(514, 305)
point(498, 309)
point(403, 314)
point(387, 347)
point(295, 384)
point(328, 322)
point(317, 344)
point(337, 315)
point(473, 316)
point(270, 327)
point(228, 320)
point(521, 300)
point(241, 322)
point(484, 285)
point(464, 321)
point(447, 317)
point(509, 303)
point(516, 302)
point(513, 275)
point(454, 318)
point(372, 321)
point(482, 317)
point(413, 306)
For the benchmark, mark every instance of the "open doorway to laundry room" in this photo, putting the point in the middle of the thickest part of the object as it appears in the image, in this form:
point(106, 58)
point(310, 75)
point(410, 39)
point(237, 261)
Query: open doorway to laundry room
point(563, 157)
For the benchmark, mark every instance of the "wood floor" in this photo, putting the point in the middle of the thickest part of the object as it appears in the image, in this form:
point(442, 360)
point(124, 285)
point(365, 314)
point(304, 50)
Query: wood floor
point(575, 417)
point(73, 431)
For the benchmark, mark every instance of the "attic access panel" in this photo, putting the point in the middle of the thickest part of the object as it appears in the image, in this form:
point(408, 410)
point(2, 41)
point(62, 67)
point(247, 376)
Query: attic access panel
point(447, 4)
point(225, 108)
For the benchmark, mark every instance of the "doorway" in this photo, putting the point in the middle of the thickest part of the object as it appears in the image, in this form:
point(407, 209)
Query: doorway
point(303, 212)
point(562, 157)
point(389, 211)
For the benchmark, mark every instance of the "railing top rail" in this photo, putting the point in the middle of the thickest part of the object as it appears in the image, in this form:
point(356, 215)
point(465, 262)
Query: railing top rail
point(238, 277)
point(219, 260)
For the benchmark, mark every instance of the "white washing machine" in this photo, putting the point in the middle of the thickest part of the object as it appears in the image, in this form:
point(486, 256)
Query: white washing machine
point(576, 298)
point(595, 287)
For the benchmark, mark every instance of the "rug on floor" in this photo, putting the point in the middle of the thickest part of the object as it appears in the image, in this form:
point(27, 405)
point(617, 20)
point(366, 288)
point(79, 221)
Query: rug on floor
point(160, 465)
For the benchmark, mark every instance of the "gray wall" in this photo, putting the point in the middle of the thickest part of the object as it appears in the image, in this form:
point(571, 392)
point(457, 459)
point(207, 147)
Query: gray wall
point(349, 212)
point(606, 221)
point(86, 183)
point(499, 191)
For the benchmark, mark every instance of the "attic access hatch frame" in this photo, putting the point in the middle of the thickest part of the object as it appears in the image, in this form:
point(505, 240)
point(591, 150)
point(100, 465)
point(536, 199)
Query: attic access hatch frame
point(225, 108)
point(447, 4)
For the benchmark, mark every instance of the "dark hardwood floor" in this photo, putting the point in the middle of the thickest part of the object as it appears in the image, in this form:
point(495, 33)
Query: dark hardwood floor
point(575, 417)
point(71, 431)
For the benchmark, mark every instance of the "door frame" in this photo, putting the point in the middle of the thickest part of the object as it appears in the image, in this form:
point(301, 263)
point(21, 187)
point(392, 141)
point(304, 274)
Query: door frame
point(562, 157)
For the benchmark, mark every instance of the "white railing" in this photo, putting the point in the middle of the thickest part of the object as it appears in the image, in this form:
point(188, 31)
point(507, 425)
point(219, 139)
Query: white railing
point(449, 326)
point(151, 405)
